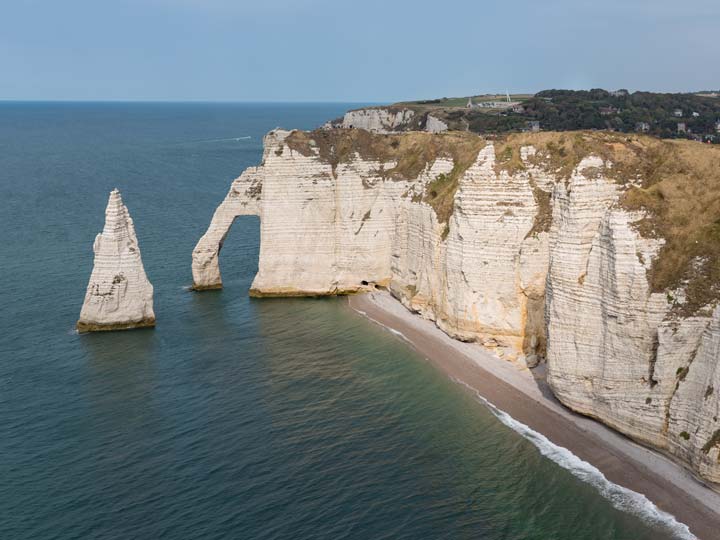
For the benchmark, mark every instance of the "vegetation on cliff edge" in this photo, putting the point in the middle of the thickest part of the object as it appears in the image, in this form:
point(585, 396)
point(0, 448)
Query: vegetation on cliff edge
point(410, 152)
point(675, 184)
point(653, 113)
point(680, 195)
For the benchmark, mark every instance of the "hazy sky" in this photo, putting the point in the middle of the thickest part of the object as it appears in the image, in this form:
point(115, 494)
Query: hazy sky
point(361, 50)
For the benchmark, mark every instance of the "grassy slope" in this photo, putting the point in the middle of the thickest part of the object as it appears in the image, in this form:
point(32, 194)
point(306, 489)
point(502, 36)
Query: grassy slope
point(679, 191)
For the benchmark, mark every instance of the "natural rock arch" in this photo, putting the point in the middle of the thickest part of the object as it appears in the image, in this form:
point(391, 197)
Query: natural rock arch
point(243, 199)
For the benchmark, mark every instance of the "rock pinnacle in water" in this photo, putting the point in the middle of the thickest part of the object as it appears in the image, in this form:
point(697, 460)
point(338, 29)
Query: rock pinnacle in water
point(119, 295)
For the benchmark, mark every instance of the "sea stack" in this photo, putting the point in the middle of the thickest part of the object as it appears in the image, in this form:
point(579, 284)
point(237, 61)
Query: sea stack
point(119, 295)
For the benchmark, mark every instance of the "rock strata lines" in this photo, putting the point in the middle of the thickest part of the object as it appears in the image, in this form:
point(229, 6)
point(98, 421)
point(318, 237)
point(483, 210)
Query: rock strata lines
point(528, 249)
point(119, 295)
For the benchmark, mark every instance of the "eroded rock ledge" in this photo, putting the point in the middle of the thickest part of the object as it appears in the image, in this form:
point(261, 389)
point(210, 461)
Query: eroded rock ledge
point(595, 251)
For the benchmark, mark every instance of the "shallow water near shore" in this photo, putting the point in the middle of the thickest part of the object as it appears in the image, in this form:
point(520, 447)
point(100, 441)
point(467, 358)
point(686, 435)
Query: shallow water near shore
point(235, 417)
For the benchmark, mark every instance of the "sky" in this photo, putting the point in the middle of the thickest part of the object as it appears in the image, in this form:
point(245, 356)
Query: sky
point(350, 51)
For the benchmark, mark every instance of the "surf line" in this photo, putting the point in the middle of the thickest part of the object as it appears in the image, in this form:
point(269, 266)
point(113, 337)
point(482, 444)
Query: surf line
point(391, 330)
point(621, 498)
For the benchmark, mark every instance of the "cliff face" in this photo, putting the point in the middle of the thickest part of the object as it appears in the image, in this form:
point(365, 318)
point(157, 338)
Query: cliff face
point(614, 352)
point(485, 279)
point(392, 120)
point(435, 125)
point(119, 295)
point(330, 228)
point(529, 245)
point(381, 120)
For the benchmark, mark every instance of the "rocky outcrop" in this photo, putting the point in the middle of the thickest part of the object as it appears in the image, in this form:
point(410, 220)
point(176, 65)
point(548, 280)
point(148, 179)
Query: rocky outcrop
point(398, 119)
point(332, 229)
point(525, 246)
point(390, 120)
point(687, 361)
point(381, 120)
point(119, 295)
point(435, 125)
point(242, 199)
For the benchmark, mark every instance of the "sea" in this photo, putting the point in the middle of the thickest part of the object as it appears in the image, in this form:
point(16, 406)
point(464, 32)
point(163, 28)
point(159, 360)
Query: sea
point(235, 418)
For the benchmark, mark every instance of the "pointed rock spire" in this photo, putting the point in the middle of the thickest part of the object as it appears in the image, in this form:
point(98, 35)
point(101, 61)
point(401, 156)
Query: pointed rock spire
point(119, 295)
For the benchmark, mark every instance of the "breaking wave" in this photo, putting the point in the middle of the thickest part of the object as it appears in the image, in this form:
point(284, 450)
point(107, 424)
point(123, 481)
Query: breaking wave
point(623, 499)
point(389, 329)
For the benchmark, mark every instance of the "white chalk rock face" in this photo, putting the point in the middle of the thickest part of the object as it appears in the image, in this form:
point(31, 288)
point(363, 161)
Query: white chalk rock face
point(242, 199)
point(479, 284)
point(529, 261)
point(435, 125)
point(119, 295)
point(614, 352)
point(379, 120)
point(600, 309)
point(688, 364)
point(391, 120)
point(333, 230)
point(323, 231)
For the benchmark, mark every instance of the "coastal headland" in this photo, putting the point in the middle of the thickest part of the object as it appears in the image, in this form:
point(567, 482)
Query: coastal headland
point(591, 256)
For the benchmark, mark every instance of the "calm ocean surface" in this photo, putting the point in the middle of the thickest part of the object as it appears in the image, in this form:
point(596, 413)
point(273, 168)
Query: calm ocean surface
point(234, 418)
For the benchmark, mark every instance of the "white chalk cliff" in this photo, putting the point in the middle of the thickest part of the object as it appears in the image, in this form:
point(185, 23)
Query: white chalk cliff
point(242, 199)
point(393, 119)
point(435, 125)
point(381, 120)
point(119, 295)
point(529, 262)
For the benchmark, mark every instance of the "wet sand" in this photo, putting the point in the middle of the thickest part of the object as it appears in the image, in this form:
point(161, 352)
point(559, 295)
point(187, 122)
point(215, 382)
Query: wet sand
point(525, 396)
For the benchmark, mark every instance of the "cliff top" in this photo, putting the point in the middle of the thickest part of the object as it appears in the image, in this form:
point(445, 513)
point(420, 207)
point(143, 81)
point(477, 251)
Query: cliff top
point(675, 183)
point(681, 115)
point(412, 152)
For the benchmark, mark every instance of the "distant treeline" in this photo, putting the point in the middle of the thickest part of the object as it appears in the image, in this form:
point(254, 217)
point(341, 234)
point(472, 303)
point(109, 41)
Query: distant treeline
point(560, 110)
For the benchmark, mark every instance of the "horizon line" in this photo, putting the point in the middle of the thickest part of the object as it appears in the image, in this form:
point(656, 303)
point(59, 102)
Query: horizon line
point(15, 100)
point(313, 101)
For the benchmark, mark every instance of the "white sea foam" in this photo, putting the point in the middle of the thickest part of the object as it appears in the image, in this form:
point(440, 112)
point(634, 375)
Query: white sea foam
point(391, 330)
point(621, 498)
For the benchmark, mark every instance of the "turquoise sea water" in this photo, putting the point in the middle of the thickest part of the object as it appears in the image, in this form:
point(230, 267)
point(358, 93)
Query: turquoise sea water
point(234, 418)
